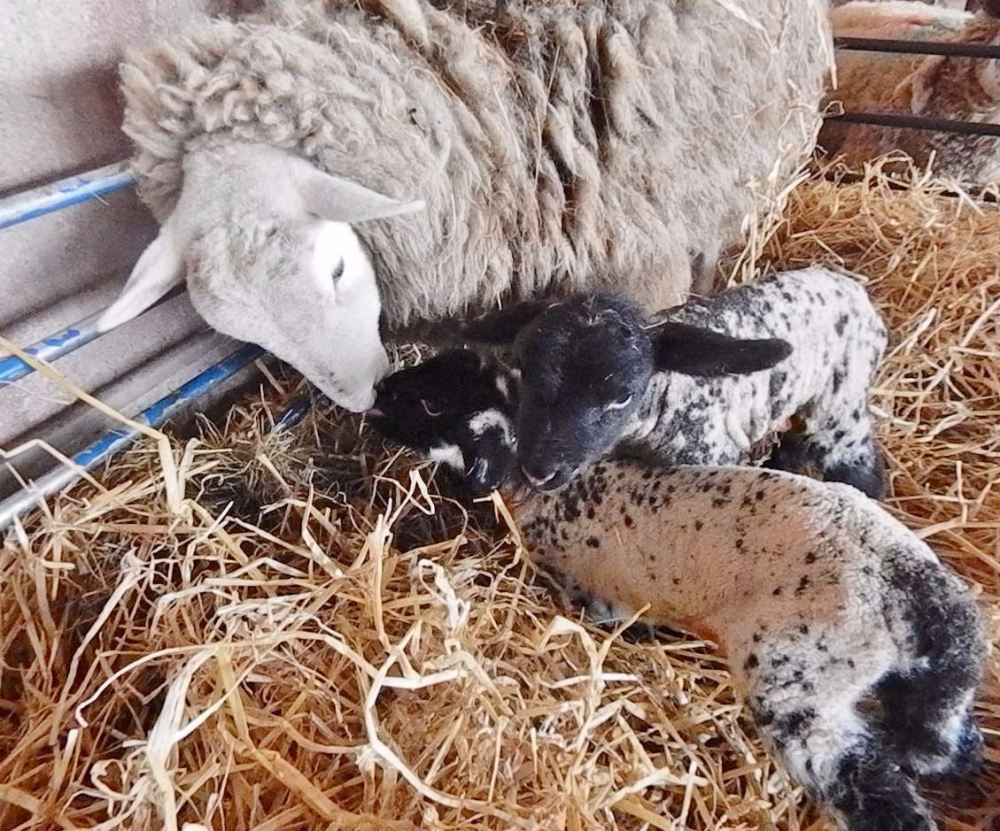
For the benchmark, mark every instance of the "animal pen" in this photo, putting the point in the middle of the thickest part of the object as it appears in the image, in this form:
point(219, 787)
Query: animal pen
point(274, 620)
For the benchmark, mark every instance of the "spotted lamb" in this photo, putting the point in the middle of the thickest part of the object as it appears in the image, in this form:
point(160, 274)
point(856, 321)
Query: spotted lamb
point(857, 651)
point(794, 352)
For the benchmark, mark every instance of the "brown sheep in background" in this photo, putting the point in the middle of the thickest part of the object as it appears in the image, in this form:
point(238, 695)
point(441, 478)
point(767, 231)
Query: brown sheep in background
point(931, 86)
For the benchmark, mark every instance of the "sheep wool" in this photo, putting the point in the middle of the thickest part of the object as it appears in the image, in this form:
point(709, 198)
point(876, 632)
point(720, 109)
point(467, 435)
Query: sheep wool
point(822, 602)
point(556, 144)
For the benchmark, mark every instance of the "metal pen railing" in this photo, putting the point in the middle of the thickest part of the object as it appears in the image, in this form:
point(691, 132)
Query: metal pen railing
point(979, 51)
point(57, 196)
point(64, 193)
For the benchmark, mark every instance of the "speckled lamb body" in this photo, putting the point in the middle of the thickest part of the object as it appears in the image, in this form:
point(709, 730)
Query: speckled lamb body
point(857, 650)
point(820, 599)
point(838, 339)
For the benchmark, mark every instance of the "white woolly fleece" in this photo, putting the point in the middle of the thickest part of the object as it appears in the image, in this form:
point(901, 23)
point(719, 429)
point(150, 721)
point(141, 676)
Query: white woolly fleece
point(559, 145)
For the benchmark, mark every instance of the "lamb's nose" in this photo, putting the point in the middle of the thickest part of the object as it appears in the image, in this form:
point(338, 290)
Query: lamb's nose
point(536, 481)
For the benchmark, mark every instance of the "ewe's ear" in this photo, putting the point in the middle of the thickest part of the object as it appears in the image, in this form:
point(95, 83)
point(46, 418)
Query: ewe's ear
point(503, 326)
point(690, 350)
point(158, 270)
point(339, 200)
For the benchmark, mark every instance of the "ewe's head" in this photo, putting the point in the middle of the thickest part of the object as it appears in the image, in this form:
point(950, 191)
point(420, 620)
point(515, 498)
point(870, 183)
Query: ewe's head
point(585, 364)
point(455, 408)
point(264, 240)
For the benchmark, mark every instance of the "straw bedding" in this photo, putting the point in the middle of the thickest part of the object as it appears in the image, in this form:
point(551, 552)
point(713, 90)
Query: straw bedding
point(302, 629)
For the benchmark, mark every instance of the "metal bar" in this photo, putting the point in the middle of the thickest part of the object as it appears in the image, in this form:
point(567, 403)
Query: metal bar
point(12, 368)
point(915, 122)
point(53, 347)
point(293, 413)
point(919, 47)
point(29, 204)
point(114, 440)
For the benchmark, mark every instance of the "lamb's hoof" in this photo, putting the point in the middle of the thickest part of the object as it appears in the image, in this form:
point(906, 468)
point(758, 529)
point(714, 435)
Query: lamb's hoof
point(867, 477)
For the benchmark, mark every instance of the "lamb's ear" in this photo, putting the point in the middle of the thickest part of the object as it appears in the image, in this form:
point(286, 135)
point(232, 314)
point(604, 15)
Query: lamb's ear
point(502, 326)
point(691, 350)
point(340, 200)
point(158, 270)
point(468, 359)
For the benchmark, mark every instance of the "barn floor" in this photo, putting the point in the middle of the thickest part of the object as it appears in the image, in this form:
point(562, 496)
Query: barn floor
point(300, 628)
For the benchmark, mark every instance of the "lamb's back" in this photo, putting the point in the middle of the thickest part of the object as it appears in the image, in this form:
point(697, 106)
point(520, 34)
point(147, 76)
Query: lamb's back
point(720, 551)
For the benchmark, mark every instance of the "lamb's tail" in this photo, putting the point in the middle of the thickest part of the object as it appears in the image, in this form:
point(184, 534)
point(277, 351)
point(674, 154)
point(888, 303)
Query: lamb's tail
point(927, 705)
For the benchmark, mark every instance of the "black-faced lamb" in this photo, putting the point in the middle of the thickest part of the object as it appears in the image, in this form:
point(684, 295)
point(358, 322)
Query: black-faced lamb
point(794, 352)
point(459, 412)
point(554, 146)
point(857, 652)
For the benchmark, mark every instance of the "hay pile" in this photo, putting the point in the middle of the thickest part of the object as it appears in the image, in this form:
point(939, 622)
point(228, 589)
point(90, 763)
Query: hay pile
point(301, 629)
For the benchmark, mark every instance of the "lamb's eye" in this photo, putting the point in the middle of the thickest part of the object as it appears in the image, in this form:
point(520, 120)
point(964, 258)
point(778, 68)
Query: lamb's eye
point(338, 271)
point(429, 409)
point(620, 404)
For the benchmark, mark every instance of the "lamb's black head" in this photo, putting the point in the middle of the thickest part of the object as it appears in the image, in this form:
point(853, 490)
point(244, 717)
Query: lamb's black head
point(586, 363)
point(588, 360)
point(455, 408)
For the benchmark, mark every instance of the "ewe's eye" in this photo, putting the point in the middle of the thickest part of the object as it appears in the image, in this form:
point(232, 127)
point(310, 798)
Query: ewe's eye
point(429, 409)
point(620, 404)
point(338, 271)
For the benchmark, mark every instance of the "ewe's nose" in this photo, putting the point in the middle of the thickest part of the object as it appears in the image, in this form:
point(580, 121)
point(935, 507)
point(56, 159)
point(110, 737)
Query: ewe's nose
point(358, 403)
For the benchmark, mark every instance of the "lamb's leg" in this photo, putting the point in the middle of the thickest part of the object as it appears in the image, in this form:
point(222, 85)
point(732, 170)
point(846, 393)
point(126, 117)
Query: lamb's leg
point(872, 793)
point(805, 705)
point(927, 706)
point(860, 464)
point(927, 726)
point(834, 455)
point(603, 613)
point(844, 765)
point(835, 438)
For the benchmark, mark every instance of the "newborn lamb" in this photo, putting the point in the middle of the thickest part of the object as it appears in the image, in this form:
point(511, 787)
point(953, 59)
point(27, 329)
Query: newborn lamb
point(857, 651)
point(703, 385)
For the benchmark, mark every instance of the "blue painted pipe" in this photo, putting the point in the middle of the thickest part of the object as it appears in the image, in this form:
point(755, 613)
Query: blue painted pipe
point(12, 368)
point(30, 204)
point(293, 414)
point(114, 440)
point(52, 347)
